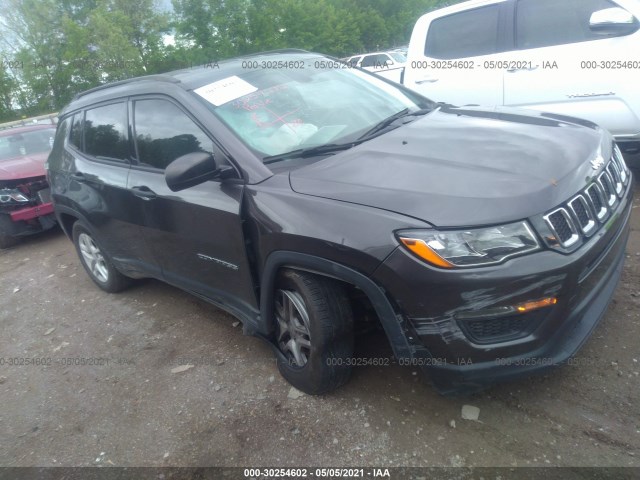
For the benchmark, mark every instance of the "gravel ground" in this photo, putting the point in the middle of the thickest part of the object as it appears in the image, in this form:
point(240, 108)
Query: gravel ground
point(233, 408)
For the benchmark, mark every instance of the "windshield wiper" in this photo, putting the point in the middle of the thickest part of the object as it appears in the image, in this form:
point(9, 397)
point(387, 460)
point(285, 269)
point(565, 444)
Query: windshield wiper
point(390, 120)
point(309, 152)
point(337, 147)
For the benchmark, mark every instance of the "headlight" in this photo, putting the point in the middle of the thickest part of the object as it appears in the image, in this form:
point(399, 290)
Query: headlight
point(470, 248)
point(7, 196)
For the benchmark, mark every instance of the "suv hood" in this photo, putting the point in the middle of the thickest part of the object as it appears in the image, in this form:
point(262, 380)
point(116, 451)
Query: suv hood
point(463, 166)
point(23, 167)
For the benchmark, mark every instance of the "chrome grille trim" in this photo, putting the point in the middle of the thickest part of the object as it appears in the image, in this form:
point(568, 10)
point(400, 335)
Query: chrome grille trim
point(614, 173)
point(605, 182)
point(622, 166)
point(584, 213)
point(573, 238)
point(586, 207)
point(594, 189)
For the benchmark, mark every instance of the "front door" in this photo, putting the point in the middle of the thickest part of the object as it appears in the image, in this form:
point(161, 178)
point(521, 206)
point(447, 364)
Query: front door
point(196, 234)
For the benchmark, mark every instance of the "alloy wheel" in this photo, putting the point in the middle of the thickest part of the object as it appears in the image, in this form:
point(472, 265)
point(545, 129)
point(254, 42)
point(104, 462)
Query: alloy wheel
point(93, 258)
point(294, 337)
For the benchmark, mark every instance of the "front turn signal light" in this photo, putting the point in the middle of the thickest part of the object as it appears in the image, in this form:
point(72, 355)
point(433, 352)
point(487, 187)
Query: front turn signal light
point(421, 249)
point(535, 305)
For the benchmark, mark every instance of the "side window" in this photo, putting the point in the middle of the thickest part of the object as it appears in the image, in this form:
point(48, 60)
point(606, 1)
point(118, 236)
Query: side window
point(60, 136)
point(464, 34)
point(75, 137)
point(377, 61)
point(105, 132)
point(164, 133)
point(368, 61)
point(398, 57)
point(383, 60)
point(542, 23)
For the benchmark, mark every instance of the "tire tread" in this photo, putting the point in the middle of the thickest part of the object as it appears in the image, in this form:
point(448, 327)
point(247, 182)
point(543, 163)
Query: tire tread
point(329, 308)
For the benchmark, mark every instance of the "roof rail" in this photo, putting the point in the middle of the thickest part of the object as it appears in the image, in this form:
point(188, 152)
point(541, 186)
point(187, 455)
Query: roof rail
point(158, 78)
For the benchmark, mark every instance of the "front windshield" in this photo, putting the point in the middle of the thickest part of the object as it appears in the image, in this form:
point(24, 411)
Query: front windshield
point(26, 143)
point(279, 111)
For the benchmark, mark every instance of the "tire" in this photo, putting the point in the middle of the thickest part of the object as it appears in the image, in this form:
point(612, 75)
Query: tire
point(314, 359)
point(6, 229)
point(96, 261)
point(7, 241)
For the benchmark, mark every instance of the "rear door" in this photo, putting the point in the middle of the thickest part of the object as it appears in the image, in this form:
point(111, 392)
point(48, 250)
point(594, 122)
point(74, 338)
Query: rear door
point(97, 161)
point(196, 234)
point(574, 71)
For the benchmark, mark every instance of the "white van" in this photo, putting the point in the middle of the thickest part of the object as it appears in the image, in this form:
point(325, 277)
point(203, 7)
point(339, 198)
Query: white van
point(572, 57)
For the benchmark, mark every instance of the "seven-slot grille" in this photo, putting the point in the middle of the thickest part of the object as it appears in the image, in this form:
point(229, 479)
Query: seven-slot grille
point(584, 213)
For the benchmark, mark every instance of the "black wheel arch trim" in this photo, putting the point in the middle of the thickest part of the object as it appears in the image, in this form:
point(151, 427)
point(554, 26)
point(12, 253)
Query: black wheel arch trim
point(123, 267)
point(263, 324)
point(64, 210)
point(389, 318)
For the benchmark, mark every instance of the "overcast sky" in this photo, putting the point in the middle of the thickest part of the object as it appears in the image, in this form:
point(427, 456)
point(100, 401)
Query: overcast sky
point(165, 5)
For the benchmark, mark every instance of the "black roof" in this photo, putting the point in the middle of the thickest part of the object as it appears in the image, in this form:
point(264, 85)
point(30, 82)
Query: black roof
point(188, 78)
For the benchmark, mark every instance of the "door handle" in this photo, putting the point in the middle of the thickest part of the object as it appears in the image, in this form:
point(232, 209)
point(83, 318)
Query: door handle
point(78, 177)
point(427, 80)
point(512, 70)
point(144, 193)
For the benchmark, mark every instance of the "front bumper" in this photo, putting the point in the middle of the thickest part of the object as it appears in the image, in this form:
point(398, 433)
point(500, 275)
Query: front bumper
point(28, 221)
point(29, 213)
point(432, 300)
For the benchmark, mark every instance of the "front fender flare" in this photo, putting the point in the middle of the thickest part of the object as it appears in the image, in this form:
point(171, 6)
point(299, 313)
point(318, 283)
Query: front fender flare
point(391, 321)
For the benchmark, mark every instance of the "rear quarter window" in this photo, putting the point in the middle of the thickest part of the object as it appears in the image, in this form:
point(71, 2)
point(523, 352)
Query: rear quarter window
point(105, 132)
point(58, 144)
point(75, 137)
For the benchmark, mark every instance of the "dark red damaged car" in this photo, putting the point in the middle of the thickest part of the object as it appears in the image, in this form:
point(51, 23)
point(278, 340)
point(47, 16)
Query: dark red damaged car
point(25, 199)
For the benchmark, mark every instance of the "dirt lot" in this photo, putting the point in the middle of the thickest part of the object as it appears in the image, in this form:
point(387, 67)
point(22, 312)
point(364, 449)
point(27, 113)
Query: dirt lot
point(233, 408)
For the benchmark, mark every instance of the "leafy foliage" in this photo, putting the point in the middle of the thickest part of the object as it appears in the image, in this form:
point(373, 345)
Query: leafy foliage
point(53, 49)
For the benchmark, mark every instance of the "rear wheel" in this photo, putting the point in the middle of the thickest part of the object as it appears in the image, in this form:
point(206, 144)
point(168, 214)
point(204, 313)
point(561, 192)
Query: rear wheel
point(96, 261)
point(314, 332)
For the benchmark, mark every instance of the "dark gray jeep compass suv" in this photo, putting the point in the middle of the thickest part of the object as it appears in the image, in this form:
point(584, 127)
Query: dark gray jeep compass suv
point(302, 195)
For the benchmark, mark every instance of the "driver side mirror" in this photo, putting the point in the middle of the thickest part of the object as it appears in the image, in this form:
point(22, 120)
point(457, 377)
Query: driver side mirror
point(190, 170)
point(613, 21)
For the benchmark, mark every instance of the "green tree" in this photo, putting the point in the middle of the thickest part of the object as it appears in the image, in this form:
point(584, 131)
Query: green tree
point(216, 28)
point(66, 46)
point(34, 36)
point(8, 90)
point(70, 45)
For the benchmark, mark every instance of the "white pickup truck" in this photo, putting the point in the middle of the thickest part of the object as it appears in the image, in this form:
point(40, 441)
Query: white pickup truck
point(571, 57)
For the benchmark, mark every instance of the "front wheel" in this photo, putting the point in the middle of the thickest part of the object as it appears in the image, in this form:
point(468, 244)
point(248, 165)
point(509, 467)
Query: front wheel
point(314, 332)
